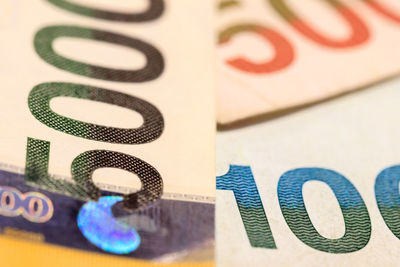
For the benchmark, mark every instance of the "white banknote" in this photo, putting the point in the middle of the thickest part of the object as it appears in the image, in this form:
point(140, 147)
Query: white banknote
point(319, 187)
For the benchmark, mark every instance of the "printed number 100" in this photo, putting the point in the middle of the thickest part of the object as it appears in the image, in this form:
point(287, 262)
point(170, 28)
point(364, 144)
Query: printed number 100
point(240, 180)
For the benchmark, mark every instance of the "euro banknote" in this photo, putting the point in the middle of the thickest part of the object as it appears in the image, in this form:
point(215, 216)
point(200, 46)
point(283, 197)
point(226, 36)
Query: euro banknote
point(107, 151)
point(318, 187)
point(276, 55)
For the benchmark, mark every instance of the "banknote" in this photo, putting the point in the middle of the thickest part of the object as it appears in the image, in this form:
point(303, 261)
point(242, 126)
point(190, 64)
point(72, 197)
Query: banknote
point(318, 187)
point(277, 55)
point(107, 149)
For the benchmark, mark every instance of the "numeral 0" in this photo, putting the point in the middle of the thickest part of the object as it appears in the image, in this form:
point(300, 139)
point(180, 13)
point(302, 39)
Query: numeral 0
point(155, 10)
point(43, 46)
point(359, 32)
point(39, 104)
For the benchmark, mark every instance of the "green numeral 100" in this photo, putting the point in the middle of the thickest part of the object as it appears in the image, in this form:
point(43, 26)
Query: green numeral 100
point(240, 180)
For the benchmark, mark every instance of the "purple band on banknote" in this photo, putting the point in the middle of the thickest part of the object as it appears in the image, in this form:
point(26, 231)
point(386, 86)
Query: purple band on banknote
point(169, 227)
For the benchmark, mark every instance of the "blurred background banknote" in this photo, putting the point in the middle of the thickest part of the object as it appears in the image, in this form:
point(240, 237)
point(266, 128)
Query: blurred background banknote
point(275, 55)
point(320, 186)
point(107, 151)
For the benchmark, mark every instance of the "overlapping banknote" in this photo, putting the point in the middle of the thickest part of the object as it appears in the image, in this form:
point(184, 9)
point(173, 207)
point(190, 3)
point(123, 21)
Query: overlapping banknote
point(107, 152)
point(275, 55)
point(319, 186)
point(316, 188)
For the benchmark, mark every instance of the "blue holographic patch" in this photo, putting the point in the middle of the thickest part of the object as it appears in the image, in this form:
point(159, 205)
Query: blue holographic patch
point(97, 224)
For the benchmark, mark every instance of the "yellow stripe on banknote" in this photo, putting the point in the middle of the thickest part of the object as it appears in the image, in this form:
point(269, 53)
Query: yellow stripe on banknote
point(35, 254)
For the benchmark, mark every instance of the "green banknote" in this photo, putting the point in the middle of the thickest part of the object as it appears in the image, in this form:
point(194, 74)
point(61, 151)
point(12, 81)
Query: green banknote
point(108, 128)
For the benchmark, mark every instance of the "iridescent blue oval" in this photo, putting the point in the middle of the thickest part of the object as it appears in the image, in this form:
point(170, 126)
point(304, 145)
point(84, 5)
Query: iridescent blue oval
point(97, 224)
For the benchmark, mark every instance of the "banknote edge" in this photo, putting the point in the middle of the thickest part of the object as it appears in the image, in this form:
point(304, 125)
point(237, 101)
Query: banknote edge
point(119, 189)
